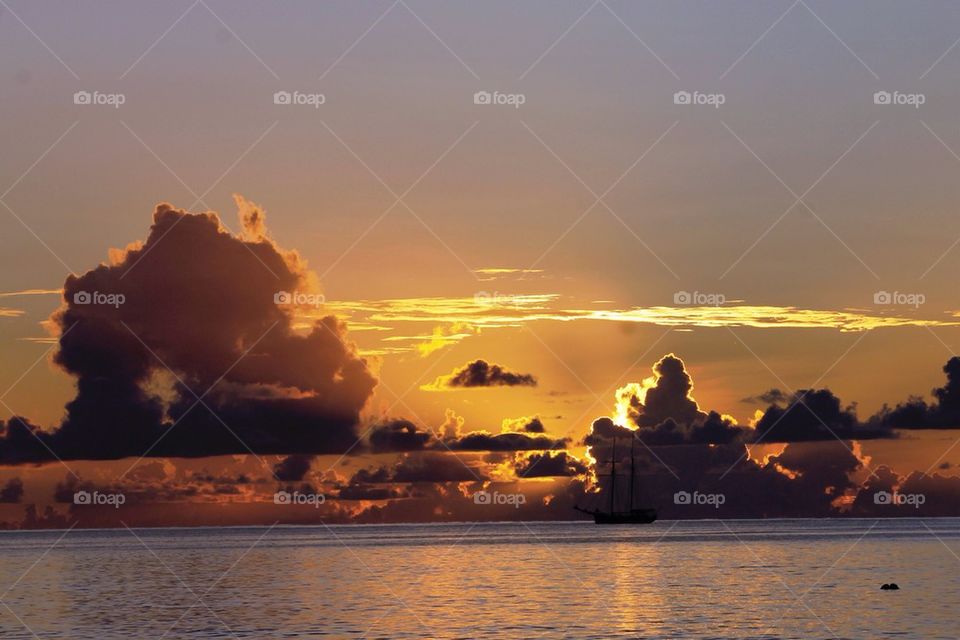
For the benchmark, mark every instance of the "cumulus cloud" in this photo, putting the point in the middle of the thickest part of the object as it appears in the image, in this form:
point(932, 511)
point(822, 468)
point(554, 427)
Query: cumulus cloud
point(669, 396)
point(398, 435)
point(481, 373)
point(194, 310)
point(531, 424)
point(661, 410)
point(12, 491)
point(771, 396)
point(293, 468)
point(452, 425)
point(654, 417)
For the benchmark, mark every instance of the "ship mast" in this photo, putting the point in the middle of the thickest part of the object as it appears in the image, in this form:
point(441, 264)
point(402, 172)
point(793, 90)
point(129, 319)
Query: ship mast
point(613, 473)
point(632, 477)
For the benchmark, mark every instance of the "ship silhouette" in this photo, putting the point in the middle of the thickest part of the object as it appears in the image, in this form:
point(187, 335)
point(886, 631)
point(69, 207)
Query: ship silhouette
point(633, 514)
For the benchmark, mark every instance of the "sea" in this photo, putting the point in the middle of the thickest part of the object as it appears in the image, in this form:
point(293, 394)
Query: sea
point(681, 579)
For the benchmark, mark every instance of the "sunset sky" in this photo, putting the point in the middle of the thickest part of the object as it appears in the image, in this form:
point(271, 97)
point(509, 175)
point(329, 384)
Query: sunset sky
point(469, 267)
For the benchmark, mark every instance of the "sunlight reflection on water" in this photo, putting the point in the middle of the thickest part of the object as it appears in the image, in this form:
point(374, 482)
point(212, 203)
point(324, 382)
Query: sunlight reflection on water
point(747, 579)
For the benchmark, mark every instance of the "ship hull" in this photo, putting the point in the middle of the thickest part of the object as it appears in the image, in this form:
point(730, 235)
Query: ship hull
point(639, 517)
point(636, 516)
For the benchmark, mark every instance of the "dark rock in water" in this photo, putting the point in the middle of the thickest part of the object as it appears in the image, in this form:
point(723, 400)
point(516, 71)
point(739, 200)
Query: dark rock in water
point(892, 586)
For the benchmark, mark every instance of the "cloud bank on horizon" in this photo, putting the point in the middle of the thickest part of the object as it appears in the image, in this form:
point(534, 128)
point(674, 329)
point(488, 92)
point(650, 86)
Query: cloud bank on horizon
point(190, 344)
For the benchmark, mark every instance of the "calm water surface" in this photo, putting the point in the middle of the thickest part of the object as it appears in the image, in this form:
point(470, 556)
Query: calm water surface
point(705, 579)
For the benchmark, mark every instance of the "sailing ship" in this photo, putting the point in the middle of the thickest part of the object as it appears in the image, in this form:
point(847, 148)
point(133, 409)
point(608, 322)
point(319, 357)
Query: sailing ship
point(633, 515)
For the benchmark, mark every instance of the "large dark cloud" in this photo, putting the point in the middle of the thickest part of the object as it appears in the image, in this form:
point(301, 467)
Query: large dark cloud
point(547, 464)
point(821, 472)
point(804, 480)
point(917, 494)
point(916, 413)
point(397, 436)
point(22, 441)
point(423, 467)
point(817, 414)
point(406, 477)
point(201, 303)
point(481, 373)
point(484, 441)
point(716, 429)
point(436, 467)
point(814, 414)
point(365, 492)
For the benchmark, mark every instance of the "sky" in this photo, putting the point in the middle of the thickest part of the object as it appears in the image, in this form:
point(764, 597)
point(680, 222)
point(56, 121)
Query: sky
point(490, 217)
